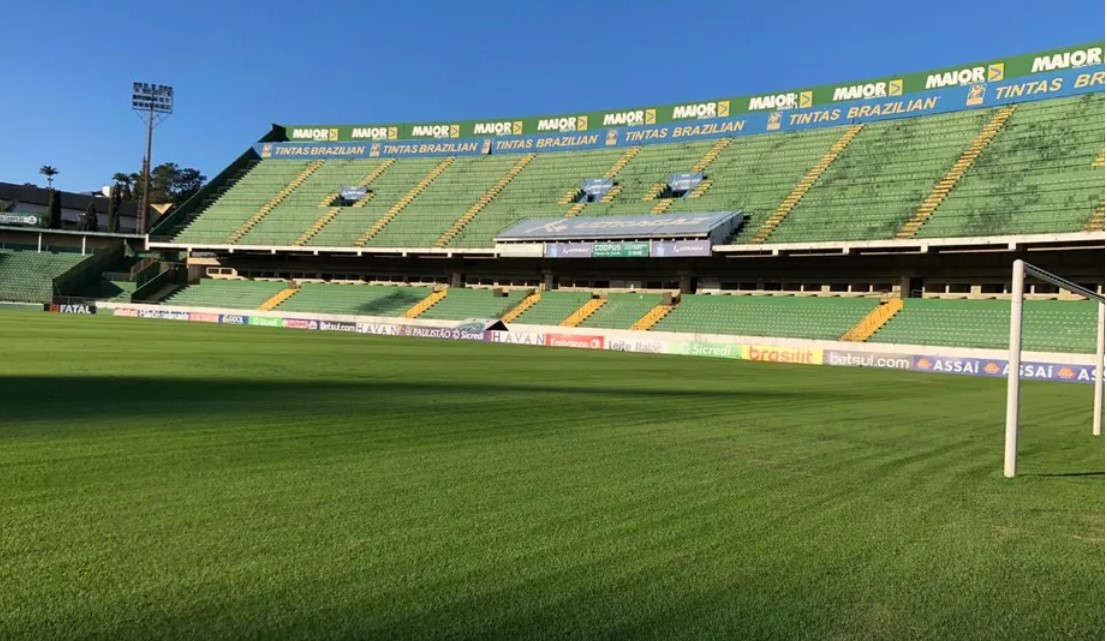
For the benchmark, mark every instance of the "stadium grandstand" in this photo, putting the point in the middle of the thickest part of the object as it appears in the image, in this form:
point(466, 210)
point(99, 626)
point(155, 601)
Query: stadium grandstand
point(778, 413)
point(881, 211)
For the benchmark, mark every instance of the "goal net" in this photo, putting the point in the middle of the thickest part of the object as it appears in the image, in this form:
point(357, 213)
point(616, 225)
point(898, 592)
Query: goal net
point(1022, 270)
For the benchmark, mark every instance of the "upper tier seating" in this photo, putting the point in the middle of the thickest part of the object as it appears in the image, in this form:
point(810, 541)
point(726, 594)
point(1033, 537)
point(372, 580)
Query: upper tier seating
point(879, 181)
point(259, 186)
point(1036, 176)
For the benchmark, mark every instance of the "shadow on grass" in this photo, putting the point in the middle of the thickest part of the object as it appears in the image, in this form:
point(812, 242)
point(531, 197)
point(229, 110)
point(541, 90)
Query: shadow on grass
point(61, 398)
point(1066, 474)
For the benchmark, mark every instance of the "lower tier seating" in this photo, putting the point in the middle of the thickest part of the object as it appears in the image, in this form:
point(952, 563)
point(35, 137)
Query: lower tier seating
point(462, 303)
point(234, 294)
point(28, 275)
point(622, 310)
point(354, 299)
point(1049, 326)
point(554, 307)
point(784, 316)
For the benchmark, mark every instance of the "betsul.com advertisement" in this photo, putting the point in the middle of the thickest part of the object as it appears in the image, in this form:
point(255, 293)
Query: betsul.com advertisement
point(840, 358)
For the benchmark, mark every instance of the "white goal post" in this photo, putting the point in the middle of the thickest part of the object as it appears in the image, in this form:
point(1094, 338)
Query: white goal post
point(1019, 272)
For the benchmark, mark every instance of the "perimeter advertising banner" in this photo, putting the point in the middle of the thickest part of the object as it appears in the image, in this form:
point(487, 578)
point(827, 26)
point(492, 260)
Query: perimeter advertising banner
point(1057, 84)
point(680, 248)
point(998, 368)
point(906, 85)
point(647, 343)
point(655, 249)
point(705, 348)
point(69, 308)
point(844, 358)
point(617, 227)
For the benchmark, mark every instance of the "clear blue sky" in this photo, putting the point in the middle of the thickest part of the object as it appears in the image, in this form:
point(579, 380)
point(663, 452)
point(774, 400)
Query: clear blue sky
point(240, 65)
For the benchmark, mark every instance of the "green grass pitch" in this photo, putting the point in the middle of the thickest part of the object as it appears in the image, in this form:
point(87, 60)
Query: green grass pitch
point(161, 480)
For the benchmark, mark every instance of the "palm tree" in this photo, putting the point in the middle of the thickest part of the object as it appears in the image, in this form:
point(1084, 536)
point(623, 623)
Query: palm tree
point(49, 172)
point(125, 183)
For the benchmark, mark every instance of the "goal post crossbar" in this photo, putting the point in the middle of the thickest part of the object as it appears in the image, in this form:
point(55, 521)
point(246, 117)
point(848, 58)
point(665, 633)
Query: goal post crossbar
point(1019, 271)
point(1054, 279)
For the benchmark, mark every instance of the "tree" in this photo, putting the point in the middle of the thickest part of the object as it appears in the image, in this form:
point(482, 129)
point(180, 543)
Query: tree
point(54, 216)
point(126, 183)
point(113, 209)
point(89, 221)
point(169, 183)
point(49, 171)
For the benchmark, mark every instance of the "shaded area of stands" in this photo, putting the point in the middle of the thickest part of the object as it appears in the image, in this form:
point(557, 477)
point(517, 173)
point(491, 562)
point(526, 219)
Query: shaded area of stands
point(461, 303)
point(235, 294)
point(28, 275)
point(366, 300)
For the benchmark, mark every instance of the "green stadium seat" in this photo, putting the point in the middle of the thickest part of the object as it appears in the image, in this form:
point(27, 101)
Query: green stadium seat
point(354, 299)
point(553, 307)
point(825, 318)
point(621, 311)
point(232, 294)
point(461, 303)
point(1037, 176)
point(28, 275)
point(1048, 325)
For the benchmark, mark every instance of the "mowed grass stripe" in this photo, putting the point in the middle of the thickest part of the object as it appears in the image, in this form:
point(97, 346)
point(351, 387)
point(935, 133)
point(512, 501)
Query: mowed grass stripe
point(177, 481)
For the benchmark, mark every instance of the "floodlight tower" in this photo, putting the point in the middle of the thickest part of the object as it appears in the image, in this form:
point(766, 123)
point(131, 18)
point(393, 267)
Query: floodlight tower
point(153, 104)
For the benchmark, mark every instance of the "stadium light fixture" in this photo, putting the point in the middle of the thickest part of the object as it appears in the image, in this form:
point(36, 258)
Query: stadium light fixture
point(153, 104)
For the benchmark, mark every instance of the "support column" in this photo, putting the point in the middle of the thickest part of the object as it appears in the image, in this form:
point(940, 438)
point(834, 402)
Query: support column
point(686, 283)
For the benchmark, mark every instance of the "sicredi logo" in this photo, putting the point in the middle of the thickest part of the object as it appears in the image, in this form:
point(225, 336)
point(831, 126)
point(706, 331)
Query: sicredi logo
point(315, 134)
point(966, 76)
point(503, 128)
point(435, 131)
point(1068, 59)
point(630, 118)
point(700, 110)
point(373, 133)
point(869, 90)
point(566, 123)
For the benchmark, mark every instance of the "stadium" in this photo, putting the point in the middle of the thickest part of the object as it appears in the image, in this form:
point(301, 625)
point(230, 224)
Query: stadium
point(731, 368)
